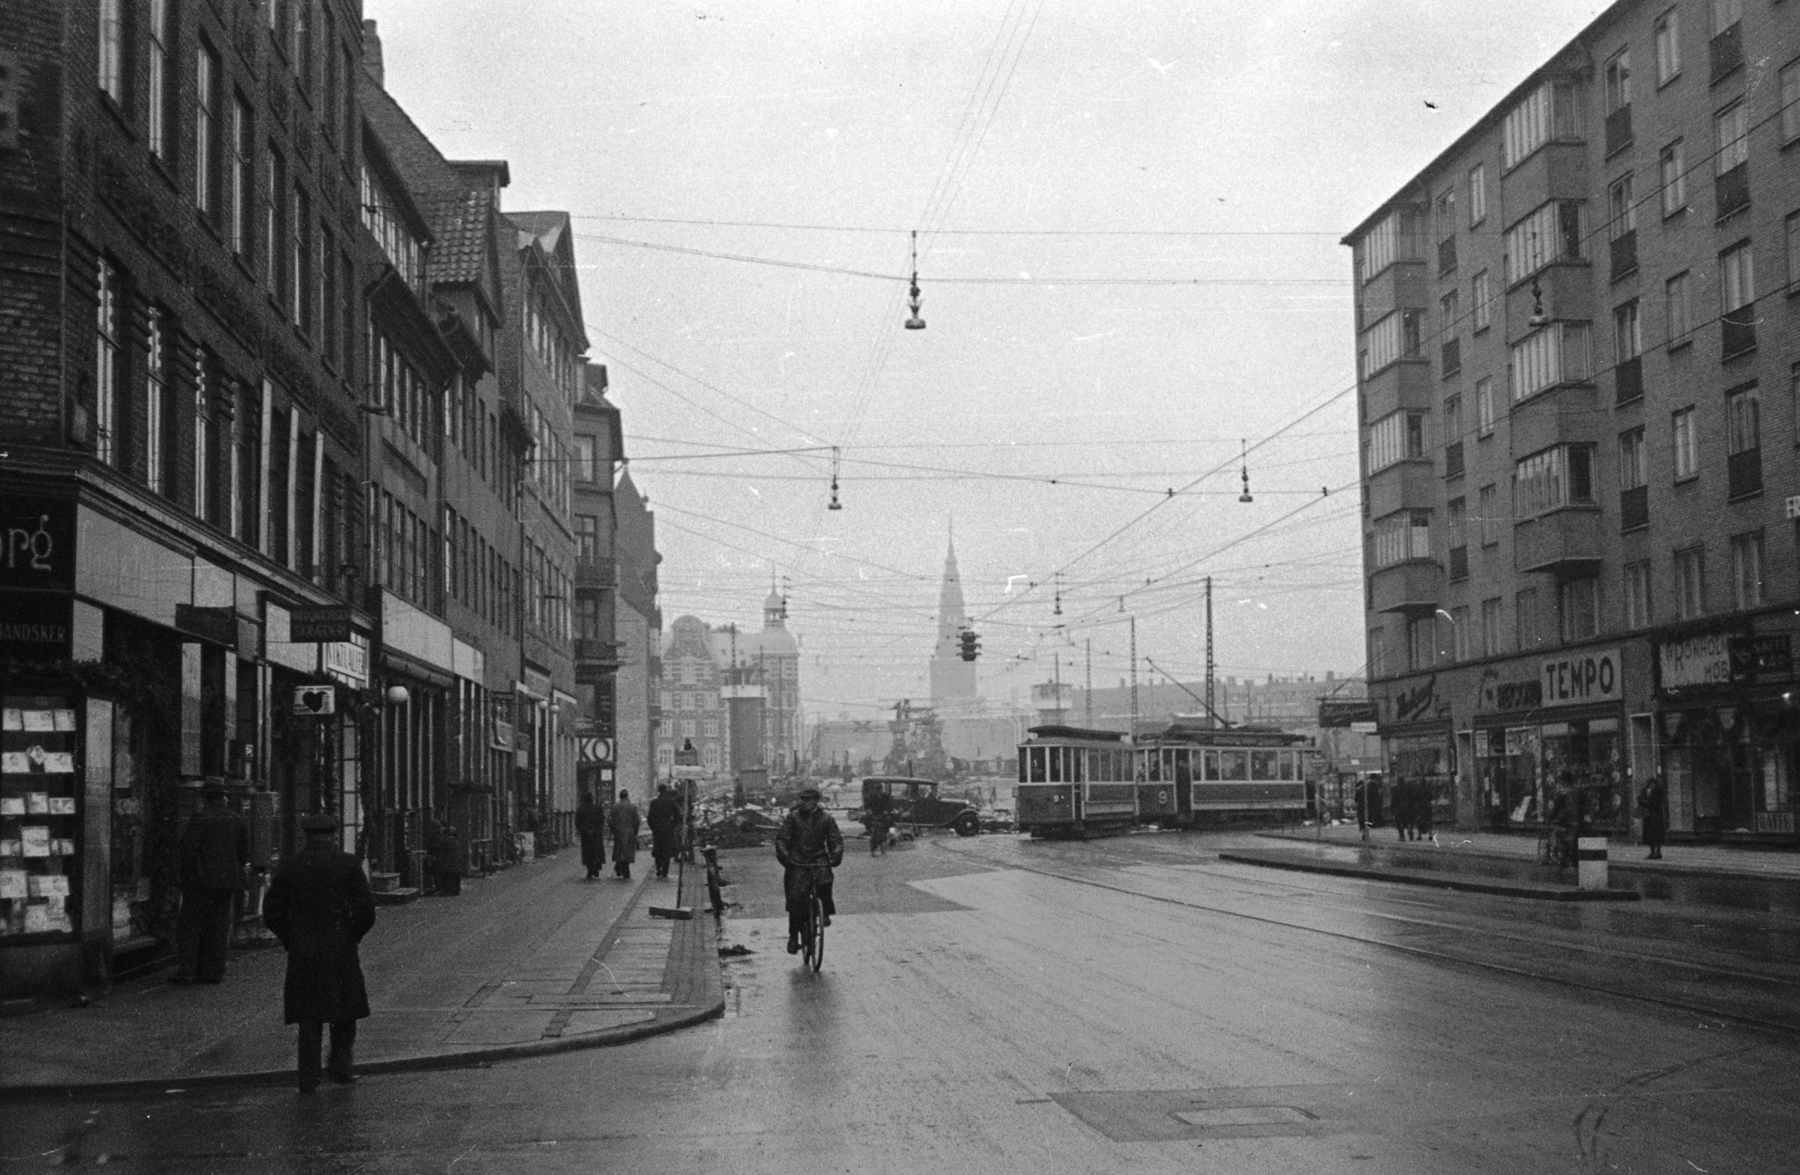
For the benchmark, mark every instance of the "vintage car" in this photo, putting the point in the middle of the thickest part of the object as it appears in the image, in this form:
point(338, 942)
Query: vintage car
point(914, 804)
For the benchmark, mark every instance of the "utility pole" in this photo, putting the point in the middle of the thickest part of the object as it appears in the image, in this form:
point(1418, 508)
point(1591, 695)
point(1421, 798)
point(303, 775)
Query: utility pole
point(1209, 649)
point(1134, 681)
point(1088, 698)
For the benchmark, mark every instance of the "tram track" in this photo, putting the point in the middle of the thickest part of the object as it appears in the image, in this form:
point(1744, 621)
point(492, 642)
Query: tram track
point(1778, 989)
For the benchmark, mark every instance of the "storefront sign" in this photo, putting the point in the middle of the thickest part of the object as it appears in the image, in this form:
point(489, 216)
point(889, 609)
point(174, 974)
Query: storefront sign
point(1499, 697)
point(319, 625)
point(1761, 658)
point(218, 625)
point(1694, 663)
point(1417, 703)
point(34, 627)
point(1581, 678)
point(1335, 713)
point(37, 543)
point(349, 660)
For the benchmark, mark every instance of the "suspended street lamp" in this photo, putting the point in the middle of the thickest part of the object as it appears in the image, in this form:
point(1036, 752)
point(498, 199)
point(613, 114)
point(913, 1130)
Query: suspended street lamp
point(915, 322)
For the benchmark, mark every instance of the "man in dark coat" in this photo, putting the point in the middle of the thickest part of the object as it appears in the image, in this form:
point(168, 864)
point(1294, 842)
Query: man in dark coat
point(590, 826)
point(665, 825)
point(1653, 804)
point(808, 843)
point(624, 823)
point(213, 854)
point(320, 907)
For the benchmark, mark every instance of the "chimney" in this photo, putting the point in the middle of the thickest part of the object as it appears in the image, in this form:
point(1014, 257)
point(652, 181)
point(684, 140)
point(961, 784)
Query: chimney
point(372, 54)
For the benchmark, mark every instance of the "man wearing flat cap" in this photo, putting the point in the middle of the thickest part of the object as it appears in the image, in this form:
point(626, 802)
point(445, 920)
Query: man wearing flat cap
point(213, 854)
point(808, 843)
point(320, 907)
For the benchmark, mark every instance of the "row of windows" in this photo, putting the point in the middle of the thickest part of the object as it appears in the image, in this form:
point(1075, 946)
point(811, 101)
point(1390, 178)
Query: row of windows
point(477, 575)
point(1573, 612)
point(269, 225)
point(254, 463)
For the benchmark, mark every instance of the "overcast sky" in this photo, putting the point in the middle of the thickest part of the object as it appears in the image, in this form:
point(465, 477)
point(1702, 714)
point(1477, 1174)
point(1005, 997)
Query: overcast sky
point(1128, 219)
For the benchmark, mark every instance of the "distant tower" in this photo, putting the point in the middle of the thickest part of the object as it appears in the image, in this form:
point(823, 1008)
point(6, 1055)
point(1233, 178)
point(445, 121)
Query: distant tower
point(952, 678)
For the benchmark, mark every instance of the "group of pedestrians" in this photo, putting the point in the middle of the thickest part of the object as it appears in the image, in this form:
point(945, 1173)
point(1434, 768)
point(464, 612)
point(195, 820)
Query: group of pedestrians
point(622, 824)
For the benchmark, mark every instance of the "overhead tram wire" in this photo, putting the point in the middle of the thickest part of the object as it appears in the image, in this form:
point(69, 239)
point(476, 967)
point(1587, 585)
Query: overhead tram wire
point(1443, 331)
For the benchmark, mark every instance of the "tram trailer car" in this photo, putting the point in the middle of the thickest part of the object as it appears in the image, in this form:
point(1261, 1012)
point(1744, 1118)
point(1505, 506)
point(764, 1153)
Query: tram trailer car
point(1202, 775)
point(1075, 782)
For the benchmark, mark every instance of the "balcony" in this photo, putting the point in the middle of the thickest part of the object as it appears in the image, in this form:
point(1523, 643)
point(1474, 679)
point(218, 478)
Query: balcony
point(1731, 191)
point(1413, 587)
point(1400, 284)
point(1453, 460)
point(1450, 357)
point(1624, 254)
point(1628, 380)
point(1446, 256)
point(1556, 171)
point(1566, 288)
point(1567, 413)
point(1406, 384)
point(1404, 485)
point(1634, 508)
point(1726, 52)
point(1743, 474)
point(1618, 130)
point(594, 572)
point(1737, 332)
point(1565, 541)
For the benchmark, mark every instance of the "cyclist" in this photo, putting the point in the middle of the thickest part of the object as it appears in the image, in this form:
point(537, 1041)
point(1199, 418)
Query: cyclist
point(809, 843)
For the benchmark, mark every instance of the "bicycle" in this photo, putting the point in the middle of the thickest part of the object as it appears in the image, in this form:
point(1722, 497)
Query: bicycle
point(812, 930)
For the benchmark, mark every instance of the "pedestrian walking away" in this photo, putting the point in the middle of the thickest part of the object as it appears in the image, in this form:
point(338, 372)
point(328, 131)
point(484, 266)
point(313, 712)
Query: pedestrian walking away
point(447, 859)
point(214, 854)
point(808, 843)
point(320, 907)
point(623, 823)
point(1653, 806)
point(590, 826)
point(665, 824)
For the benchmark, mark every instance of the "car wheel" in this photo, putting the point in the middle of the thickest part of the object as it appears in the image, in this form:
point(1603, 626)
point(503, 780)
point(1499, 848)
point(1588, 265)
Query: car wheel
point(966, 824)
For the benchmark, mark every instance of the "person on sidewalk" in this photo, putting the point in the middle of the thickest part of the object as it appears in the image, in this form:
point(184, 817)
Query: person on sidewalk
point(590, 826)
point(214, 854)
point(665, 823)
point(1653, 806)
point(808, 841)
point(624, 824)
point(320, 907)
point(447, 859)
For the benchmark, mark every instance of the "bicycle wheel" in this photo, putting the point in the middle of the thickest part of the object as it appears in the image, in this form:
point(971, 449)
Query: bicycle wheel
point(815, 933)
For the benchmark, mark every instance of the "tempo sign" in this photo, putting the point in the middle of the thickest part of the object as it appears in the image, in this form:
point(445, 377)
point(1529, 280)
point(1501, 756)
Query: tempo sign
point(1581, 679)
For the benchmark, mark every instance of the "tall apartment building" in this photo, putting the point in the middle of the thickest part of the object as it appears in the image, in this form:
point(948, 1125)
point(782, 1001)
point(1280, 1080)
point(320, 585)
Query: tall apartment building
point(1578, 358)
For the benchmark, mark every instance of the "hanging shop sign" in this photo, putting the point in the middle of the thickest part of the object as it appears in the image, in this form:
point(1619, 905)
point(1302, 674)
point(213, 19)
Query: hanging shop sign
point(1581, 679)
point(1758, 659)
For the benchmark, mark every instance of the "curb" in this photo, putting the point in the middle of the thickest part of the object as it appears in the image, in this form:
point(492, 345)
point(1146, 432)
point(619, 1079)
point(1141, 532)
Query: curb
point(1276, 860)
point(694, 946)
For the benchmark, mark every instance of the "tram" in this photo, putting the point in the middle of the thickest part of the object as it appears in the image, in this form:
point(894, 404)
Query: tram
point(1076, 782)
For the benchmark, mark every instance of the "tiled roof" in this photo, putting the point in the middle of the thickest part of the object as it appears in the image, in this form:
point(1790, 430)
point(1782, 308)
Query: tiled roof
point(459, 220)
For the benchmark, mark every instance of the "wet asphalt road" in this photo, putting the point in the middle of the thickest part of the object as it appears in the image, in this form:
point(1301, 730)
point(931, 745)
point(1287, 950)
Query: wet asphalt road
point(1003, 1005)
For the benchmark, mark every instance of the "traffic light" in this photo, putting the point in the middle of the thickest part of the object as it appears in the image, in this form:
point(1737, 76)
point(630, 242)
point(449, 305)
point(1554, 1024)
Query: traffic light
point(971, 644)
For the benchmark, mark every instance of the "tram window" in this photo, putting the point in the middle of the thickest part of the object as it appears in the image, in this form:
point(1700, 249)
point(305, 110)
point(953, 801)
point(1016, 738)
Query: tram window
point(1184, 767)
point(1265, 765)
point(1233, 765)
